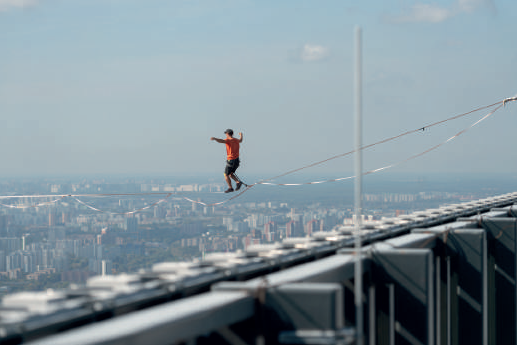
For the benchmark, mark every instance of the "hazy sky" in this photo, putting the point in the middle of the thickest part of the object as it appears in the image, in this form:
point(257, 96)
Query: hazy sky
point(133, 86)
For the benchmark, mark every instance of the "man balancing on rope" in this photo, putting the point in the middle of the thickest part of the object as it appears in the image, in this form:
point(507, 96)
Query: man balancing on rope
point(232, 158)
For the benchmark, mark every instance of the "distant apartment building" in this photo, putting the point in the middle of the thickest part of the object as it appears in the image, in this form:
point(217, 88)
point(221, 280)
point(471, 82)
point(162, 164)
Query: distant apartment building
point(25, 261)
point(295, 216)
point(249, 240)
point(188, 188)
point(313, 226)
point(100, 267)
point(256, 233)
point(91, 251)
point(256, 220)
point(270, 230)
point(160, 212)
point(131, 224)
point(106, 267)
point(52, 217)
point(240, 227)
point(208, 210)
point(329, 221)
point(106, 237)
point(233, 225)
point(2, 261)
point(10, 244)
point(293, 229)
point(191, 242)
point(55, 188)
point(60, 263)
point(3, 226)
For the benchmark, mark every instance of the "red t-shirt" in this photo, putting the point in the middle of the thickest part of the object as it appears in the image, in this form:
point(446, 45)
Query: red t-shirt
point(232, 148)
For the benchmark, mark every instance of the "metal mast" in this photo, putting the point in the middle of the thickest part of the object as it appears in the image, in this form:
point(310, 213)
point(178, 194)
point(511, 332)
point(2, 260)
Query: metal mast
point(358, 187)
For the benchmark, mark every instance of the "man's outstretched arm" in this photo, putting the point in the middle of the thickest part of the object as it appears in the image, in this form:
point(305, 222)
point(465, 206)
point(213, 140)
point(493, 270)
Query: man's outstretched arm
point(240, 137)
point(218, 140)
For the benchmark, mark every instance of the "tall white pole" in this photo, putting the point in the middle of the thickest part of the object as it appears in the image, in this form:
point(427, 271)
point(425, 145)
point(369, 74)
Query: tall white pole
point(358, 187)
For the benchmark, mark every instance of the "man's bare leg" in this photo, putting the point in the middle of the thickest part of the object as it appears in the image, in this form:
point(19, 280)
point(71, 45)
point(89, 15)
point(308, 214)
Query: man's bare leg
point(234, 178)
point(228, 181)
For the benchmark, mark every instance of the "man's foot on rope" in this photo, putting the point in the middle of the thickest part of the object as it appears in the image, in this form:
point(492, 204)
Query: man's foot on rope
point(229, 190)
point(239, 184)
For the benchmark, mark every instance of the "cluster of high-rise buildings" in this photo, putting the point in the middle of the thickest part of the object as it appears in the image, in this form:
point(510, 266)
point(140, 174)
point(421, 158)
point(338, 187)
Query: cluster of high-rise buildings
point(32, 258)
point(268, 222)
point(95, 236)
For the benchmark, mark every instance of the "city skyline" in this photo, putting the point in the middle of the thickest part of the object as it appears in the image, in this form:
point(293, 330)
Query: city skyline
point(113, 87)
point(51, 242)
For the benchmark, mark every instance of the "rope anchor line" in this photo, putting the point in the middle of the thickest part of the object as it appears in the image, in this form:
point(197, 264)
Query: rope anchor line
point(266, 181)
point(509, 99)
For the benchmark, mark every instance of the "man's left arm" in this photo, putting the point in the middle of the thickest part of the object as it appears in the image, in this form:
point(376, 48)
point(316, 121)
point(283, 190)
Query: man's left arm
point(240, 137)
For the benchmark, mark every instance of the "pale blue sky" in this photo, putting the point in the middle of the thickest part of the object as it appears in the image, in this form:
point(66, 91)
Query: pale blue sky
point(132, 86)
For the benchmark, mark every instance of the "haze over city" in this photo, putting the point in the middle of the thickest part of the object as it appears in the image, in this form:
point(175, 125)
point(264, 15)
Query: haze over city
point(139, 87)
point(115, 226)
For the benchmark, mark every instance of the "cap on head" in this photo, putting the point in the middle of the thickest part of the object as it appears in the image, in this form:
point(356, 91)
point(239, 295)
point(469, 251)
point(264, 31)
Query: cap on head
point(228, 131)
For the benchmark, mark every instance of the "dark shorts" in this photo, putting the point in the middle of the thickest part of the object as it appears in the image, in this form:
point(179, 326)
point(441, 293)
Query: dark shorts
point(231, 166)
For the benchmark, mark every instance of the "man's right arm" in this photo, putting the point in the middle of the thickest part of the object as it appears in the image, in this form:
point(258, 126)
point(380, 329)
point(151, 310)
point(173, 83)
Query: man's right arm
point(218, 140)
point(240, 137)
